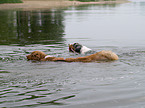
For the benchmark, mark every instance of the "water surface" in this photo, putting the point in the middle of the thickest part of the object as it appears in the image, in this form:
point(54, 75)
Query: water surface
point(117, 27)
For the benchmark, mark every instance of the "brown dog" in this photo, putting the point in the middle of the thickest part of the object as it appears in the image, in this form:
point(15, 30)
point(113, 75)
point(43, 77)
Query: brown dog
point(99, 56)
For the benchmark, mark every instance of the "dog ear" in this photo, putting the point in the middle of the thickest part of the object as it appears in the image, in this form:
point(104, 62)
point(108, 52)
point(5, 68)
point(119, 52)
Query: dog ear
point(40, 55)
point(77, 49)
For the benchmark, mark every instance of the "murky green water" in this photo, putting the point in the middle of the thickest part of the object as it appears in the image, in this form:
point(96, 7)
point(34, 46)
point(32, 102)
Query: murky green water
point(118, 84)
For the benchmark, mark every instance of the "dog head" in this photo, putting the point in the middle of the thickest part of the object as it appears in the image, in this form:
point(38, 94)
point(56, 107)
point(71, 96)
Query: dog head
point(36, 55)
point(76, 47)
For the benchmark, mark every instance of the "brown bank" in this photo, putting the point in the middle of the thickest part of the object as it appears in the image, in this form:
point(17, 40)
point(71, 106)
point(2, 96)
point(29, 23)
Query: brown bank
point(47, 4)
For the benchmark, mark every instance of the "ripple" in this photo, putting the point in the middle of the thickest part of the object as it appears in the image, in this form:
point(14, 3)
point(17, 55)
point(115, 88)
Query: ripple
point(33, 91)
point(54, 102)
point(3, 71)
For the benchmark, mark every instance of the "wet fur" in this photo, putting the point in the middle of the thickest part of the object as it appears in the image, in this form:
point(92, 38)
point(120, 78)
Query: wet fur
point(99, 56)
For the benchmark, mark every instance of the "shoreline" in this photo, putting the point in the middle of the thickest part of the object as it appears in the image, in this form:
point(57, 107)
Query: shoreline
point(50, 4)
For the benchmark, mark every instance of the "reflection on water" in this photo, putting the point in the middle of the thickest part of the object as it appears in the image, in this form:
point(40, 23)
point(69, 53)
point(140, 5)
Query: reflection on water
point(120, 24)
point(119, 28)
point(28, 27)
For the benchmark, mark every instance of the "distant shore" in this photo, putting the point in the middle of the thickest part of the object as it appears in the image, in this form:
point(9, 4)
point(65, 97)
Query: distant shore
point(48, 4)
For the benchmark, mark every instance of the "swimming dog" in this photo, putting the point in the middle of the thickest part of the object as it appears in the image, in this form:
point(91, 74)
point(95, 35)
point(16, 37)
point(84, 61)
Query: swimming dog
point(78, 48)
point(99, 56)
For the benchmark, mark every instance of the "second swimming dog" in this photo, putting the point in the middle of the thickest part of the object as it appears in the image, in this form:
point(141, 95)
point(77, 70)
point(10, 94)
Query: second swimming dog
point(80, 49)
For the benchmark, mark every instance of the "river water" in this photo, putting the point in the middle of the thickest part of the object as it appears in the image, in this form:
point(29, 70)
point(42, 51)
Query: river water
point(118, 84)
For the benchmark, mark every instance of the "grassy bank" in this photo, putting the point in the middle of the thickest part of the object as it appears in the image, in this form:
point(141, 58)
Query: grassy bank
point(10, 1)
point(92, 0)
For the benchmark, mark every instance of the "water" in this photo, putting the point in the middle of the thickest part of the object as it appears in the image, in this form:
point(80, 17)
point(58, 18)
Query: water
point(118, 84)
